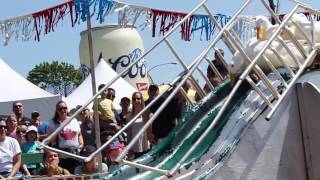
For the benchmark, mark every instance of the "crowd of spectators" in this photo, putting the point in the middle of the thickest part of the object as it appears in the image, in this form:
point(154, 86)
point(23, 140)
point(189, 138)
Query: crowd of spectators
point(22, 135)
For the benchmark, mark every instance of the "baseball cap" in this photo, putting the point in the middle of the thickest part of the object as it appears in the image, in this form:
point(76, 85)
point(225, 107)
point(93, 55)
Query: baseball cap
point(115, 145)
point(32, 128)
point(87, 150)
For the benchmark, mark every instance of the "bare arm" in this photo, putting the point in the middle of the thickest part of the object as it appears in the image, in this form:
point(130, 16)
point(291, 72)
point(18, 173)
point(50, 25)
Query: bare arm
point(25, 170)
point(16, 165)
point(54, 140)
point(80, 140)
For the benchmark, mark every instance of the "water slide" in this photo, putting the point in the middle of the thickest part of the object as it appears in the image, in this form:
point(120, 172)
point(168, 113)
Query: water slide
point(245, 106)
point(216, 125)
point(165, 154)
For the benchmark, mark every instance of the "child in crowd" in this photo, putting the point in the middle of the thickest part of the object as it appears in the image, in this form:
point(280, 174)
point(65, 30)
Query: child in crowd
point(106, 109)
point(42, 126)
point(32, 145)
point(112, 153)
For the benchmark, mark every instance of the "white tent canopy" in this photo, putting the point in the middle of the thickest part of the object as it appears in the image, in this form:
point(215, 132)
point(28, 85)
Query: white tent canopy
point(16, 88)
point(104, 74)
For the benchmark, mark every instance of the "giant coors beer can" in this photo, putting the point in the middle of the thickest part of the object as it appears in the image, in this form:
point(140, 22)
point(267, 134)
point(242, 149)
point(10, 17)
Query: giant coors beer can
point(119, 47)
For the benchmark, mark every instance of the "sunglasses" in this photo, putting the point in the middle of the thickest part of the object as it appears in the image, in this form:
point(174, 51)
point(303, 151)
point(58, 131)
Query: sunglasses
point(18, 106)
point(21, 132)
point(62, 108)
point(3, 127)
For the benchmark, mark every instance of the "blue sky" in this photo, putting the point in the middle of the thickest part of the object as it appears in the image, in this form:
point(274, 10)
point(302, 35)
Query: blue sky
point(63, 44)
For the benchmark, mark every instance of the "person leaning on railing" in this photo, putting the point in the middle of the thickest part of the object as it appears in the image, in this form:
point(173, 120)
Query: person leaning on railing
point(51, 165)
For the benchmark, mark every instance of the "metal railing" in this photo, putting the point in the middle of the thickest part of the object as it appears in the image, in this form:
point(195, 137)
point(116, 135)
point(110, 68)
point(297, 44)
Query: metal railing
point(234, 45)
point(193, 65)
point(253, 64)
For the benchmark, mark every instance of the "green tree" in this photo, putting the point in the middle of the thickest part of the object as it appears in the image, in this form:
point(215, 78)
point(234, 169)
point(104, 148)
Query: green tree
point(59, 78)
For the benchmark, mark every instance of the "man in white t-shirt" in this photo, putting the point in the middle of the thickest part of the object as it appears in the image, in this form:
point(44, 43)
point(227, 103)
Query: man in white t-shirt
point(10, 153)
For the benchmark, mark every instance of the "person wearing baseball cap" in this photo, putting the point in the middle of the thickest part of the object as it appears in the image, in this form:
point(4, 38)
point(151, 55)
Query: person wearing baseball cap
point(112, 153)
point(90, 167)
point(32, 145)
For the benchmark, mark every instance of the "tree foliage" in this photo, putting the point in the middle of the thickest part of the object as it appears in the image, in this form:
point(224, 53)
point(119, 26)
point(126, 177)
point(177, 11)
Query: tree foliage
point(59, 78)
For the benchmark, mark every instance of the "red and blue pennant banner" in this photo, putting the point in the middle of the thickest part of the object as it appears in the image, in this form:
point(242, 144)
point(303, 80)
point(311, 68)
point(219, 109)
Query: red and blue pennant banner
point(194, 23)
point(35, 25)
point(48, 19)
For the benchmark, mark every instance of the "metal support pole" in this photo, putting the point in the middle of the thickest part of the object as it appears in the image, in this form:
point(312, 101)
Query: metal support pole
point(206, 79)
point(179, 59)
point(313, 33)
point(298, 63)
point(302, 32)
point(282, 61)
point(274, 70)
point(258, 90)
point(309, 59)
point(94, 89)
point(144, 167)
point(294, 40)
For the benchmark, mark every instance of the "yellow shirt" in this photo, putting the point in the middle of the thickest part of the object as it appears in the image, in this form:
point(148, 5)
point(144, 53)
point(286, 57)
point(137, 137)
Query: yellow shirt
point(105, 107)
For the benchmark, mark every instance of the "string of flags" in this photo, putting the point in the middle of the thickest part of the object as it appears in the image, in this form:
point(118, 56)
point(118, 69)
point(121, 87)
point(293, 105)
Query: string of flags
point(38, 24)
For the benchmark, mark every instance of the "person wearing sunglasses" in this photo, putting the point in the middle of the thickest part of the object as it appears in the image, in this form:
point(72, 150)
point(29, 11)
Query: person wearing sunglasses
point(17, 108)
point(10, 154)
point(21, 133)
point(69, 138)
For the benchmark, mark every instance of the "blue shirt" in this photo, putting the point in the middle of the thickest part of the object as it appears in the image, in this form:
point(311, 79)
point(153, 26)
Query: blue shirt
point(43, 128)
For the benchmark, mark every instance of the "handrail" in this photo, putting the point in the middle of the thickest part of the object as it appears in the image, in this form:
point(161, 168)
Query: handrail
point(237, 85)
point(86, 159)
point(197, 62)
point(51, 136)
point(295, 78)
point(177, 83)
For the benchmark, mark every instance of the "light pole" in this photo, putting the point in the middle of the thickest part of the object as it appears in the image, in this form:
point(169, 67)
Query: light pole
point(163, 64)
